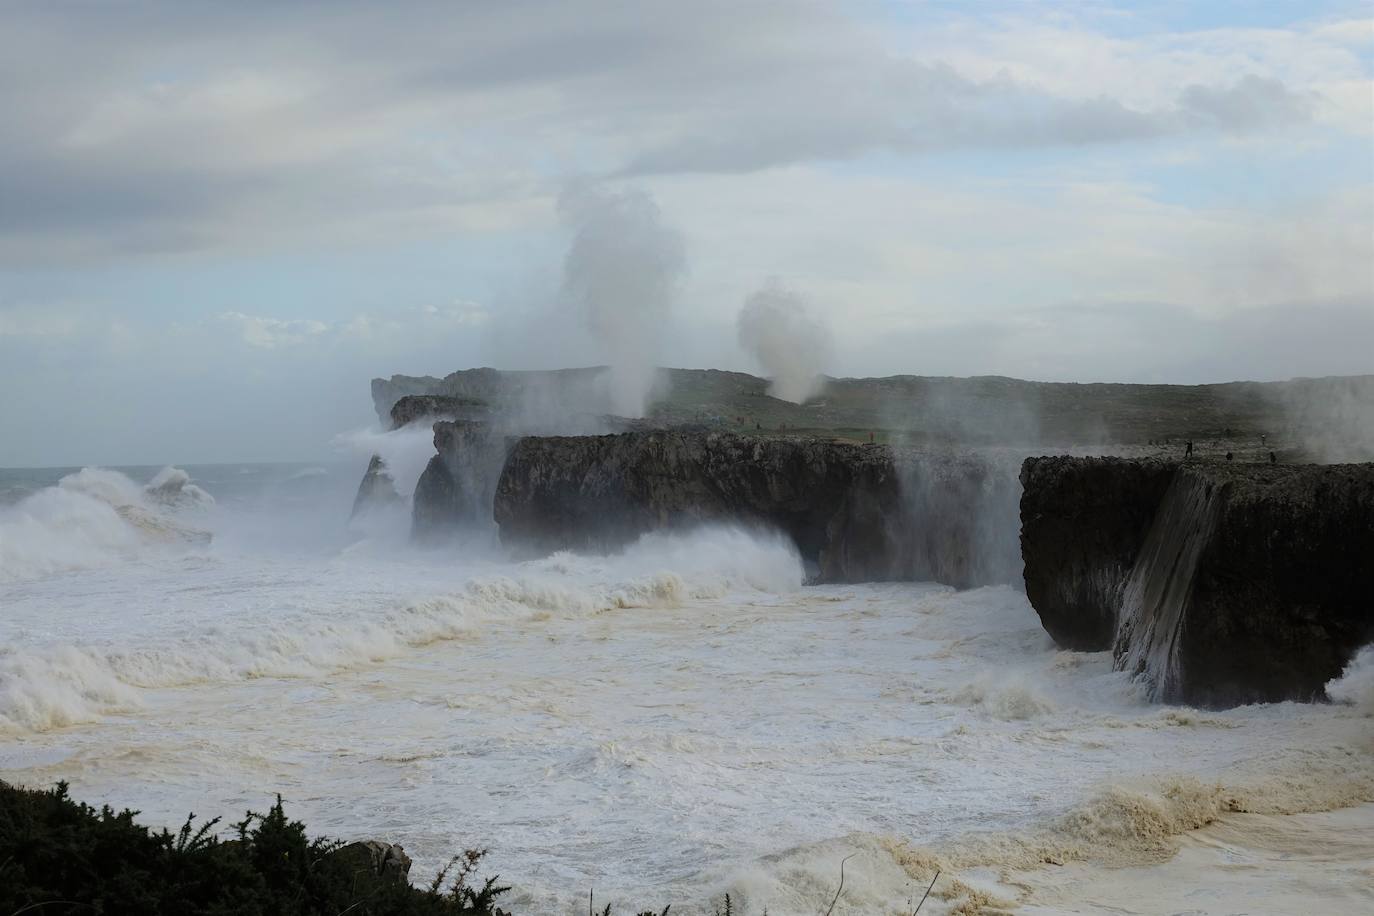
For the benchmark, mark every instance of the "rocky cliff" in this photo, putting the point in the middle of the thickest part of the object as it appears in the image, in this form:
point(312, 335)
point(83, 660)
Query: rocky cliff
point(1217, 583)
point(855, 512)
point(1083, 521)
point(456, 488)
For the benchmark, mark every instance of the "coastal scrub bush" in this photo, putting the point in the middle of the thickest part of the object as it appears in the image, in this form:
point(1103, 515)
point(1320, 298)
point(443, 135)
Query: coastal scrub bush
point(58, 856)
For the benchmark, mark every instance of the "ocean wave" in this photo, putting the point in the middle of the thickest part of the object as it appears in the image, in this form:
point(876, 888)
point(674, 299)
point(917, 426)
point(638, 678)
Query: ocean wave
point(1137, 825)
point(95, 517)
point(52, 687)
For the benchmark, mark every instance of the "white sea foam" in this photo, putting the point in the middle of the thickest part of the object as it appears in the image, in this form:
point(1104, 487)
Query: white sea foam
point(1355, 686)
point(172, 488)
point(55, 686)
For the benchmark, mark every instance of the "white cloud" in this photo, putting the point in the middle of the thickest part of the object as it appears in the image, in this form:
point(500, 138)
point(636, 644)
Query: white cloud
point(271, 333)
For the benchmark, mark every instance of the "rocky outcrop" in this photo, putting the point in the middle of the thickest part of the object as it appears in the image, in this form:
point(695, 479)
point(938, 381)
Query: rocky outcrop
point(856, 512)
point(377, 489)
point(456, 488)
point(1244, 583)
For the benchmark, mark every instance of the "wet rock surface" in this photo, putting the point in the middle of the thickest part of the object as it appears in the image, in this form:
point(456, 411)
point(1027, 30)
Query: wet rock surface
point(1083, 522)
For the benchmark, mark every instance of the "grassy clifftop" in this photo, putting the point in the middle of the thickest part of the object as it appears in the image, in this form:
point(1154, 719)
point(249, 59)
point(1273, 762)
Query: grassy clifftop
point(975, 411)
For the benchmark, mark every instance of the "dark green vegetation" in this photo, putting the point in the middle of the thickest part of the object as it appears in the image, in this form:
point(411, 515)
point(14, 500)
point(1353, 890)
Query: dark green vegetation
point(58, 856)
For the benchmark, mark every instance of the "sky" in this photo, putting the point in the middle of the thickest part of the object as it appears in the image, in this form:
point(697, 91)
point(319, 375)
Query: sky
point(219, 221)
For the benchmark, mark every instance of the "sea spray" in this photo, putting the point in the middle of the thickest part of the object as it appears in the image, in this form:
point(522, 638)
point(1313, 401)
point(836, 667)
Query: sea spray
point(960, 512)
point(405, 451)
point(622, 270)
point(782, 331)
point(1155, 600)
point(1355, 686)
point(96, 517)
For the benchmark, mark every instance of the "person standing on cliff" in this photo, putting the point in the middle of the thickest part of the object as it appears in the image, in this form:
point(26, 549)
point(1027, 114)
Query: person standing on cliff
point(1188, 449)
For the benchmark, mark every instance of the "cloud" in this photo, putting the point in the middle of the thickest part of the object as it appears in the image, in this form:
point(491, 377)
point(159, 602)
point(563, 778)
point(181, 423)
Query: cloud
point(270, 333)
point(942, 111)
point(20, 321)
point(174, 128)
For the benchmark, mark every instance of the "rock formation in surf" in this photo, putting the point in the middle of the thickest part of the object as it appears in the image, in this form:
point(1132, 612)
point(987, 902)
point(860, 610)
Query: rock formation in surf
point(856, 513)
point(1217, 583)
point(377, 489)
point(378, 486)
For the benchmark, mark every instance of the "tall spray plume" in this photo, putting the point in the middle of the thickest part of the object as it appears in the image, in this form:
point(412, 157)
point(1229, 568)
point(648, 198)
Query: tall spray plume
point(622, 270)
point(791, 343)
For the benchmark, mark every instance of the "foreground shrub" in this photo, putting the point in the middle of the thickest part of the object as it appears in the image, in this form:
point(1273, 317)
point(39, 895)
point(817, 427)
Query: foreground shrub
point(59, 856)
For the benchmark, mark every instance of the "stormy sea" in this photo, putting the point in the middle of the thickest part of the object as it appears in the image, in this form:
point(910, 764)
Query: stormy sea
point(665, 724)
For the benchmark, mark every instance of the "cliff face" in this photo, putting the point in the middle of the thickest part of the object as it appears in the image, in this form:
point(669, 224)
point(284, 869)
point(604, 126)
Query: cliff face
point(1216, 583)
point(1083, 521)
point(1283, 594)
point(455, 490)
point(855, 512)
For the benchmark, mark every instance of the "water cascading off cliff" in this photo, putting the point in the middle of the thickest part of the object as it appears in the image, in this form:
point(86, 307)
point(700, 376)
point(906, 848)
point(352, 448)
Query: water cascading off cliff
point(1155, 601)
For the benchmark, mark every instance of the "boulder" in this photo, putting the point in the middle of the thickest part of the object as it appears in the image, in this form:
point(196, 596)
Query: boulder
point(375, 861)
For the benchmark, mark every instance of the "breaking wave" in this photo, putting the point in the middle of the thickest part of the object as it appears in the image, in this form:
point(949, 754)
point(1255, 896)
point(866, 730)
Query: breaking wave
point(1355, 686)
point(43, 689)
point(1136, 825)
point(95, 517)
